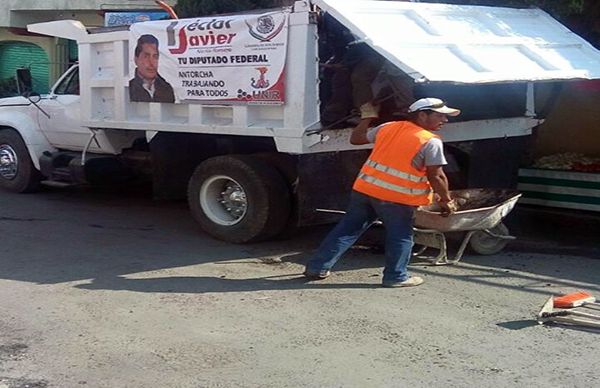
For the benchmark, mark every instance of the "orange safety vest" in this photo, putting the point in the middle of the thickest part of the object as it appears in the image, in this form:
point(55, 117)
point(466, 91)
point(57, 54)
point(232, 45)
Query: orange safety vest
point(388, 174)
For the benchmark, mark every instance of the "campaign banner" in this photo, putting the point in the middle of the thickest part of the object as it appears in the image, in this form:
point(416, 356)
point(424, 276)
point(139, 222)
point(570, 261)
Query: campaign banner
point(235, 58)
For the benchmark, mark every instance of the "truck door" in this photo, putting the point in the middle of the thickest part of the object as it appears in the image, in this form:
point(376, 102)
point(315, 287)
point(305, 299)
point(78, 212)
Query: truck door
point(63, 128)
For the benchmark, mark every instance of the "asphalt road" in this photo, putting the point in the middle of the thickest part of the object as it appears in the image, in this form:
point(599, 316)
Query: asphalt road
point(115, 290)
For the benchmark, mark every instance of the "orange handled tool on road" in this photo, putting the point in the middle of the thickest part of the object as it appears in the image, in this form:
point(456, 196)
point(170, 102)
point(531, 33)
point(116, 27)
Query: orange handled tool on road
point(548, 314)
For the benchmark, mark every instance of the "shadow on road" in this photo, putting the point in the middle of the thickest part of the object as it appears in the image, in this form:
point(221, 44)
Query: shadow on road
point(203, 284)
point(69, 236)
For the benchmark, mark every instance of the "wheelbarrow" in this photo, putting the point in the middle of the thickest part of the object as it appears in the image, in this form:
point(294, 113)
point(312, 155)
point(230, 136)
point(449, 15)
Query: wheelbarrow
point(480, 213)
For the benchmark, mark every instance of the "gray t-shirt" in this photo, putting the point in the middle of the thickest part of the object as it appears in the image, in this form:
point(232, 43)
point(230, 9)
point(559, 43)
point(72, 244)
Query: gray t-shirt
point(430, 154)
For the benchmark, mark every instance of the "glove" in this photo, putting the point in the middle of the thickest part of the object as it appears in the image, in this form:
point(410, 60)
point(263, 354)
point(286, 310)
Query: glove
point(369, 111)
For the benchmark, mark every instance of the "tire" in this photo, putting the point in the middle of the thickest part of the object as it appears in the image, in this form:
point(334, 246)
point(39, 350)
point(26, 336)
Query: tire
point(17, 172)
point(239, 199)
point(484, 244)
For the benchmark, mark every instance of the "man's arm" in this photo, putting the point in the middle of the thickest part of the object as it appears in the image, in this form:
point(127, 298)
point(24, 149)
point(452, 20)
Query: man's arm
point(439, 183)
point(359, 133)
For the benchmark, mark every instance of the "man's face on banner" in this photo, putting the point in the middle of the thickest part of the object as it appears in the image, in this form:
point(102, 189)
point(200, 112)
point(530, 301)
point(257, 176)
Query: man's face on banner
point(147, 61)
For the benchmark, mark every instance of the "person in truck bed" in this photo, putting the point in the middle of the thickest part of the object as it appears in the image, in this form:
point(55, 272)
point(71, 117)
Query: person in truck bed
point(402, 172)
point(148, 85)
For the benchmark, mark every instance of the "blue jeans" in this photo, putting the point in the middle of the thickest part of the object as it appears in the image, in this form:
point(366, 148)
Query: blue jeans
point(362, 211)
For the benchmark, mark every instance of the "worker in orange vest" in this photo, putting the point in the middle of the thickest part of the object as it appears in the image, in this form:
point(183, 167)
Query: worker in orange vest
point(403, 171)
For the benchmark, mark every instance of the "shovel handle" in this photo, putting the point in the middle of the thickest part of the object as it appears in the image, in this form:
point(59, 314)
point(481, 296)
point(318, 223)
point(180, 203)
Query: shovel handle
point(574, 321)
point(567, 313)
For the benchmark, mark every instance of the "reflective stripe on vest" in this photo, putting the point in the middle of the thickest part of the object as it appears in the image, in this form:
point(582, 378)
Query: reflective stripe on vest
point(393, 172)
point(390, 186)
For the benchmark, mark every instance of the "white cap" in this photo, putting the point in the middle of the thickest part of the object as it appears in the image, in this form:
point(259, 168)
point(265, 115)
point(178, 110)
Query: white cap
point(434, 104)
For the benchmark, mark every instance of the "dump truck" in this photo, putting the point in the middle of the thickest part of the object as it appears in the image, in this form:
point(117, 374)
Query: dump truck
point(232, 120)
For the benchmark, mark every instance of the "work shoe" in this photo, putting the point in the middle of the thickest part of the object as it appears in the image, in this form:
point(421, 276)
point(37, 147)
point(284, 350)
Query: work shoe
point(410, 282)
point(317, 275)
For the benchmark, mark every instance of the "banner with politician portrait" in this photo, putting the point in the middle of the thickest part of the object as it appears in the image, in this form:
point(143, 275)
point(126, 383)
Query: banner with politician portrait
point(235, 58)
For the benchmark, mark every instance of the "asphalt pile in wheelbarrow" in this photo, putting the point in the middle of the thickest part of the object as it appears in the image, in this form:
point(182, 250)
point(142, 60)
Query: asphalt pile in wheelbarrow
point(471, 199)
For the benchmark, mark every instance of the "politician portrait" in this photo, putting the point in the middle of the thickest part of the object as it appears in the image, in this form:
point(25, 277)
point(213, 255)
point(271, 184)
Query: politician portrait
point(147, 85)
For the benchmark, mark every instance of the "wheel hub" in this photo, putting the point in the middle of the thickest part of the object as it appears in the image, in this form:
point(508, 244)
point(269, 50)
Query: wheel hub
point(223, 200)
point(233, 199)
point(8, 162)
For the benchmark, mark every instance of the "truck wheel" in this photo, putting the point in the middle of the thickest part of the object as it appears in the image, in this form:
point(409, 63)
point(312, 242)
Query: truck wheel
point(239, 198)
point(17, 172)
point(484, 244)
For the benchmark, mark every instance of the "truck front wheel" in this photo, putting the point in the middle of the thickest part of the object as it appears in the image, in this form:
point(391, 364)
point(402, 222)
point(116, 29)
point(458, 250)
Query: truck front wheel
point(239, 198)
point(17, 172)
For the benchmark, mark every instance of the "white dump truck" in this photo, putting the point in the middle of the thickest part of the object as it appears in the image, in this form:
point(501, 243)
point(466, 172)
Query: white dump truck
point(226, 110)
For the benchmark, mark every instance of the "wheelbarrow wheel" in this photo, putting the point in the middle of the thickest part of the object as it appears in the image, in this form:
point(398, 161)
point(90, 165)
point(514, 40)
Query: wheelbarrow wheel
point(484, 244)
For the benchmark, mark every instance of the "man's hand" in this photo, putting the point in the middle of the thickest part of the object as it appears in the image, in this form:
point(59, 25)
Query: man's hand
point(448, 207)
point(369, 111)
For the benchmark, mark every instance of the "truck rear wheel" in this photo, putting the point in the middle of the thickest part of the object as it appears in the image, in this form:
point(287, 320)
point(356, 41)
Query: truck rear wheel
point(17, 172)
point(239, 198)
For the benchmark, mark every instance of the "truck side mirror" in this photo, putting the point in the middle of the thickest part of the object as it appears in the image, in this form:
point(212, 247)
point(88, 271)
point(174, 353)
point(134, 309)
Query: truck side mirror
point(24, 81)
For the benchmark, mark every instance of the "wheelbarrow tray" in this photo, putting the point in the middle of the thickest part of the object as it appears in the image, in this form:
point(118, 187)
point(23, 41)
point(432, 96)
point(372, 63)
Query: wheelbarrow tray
point(479, 209)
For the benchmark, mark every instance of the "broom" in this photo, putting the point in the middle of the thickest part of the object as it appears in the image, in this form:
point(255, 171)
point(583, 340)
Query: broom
point(575, 299)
